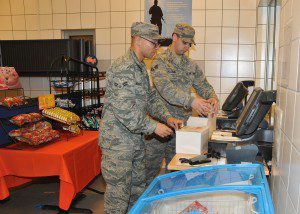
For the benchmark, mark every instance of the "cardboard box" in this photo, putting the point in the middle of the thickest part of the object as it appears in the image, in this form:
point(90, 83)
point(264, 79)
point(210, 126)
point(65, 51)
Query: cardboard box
point(192, 140)
point(202, 121)
point(11, 93)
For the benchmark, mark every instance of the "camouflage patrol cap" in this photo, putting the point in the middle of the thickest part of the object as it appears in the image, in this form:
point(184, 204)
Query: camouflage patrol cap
point(185, 32)
point(145, 30)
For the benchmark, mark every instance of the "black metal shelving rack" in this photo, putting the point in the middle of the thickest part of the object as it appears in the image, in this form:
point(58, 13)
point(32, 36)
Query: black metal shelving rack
point(86, 93)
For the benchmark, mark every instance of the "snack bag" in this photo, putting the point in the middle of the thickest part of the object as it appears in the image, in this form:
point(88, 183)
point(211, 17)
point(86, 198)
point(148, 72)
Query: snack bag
point(195, 207)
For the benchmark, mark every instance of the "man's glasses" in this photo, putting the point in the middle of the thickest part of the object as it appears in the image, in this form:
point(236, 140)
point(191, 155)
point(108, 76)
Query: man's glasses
point(156, 44)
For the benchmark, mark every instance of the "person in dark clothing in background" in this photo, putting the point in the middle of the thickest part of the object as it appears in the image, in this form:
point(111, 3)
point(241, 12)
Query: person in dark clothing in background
point(157, 16)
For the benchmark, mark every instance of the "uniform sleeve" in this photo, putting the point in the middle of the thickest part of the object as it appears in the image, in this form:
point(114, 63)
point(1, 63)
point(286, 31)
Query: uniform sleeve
point(202, 86)
point(124, 104)
point(157, 109)
point(166, 88)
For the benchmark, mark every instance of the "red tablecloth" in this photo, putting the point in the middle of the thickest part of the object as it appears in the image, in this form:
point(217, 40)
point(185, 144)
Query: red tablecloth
point(75, 160)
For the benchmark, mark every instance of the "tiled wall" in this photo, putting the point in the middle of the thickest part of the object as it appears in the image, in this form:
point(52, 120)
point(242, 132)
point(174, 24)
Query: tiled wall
point(286, 159)
point(226, 33)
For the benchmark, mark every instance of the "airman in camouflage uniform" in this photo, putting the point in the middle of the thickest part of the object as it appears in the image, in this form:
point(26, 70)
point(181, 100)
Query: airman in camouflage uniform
point(174, 74)
point(125, 120)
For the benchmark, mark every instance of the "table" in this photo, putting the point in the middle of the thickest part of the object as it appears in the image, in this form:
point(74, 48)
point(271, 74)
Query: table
point(75, 160)
point(176, 165)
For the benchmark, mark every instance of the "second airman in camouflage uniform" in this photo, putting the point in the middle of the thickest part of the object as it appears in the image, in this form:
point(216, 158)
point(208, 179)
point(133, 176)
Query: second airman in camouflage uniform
point(174, 74)
point(125, 120)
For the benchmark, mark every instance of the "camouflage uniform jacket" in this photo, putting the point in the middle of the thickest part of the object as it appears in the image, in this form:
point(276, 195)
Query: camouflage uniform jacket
point(128, 100)
point(173, 77)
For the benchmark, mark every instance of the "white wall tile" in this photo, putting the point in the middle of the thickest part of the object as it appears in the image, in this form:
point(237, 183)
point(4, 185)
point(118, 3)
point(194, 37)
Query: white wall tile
point(59, 21)
point(230, 35)
point(31, 22)
point(213, 34)
point(117, 5)
point(57, 34)
point(88, 20)
point(247, 18)
point(17, 7)
point(261, 51)
point(246, 69)
point(215, 82)
point(198, 18)
point(103, 52)
point(103, 20)
point(117, 19)
point(32, 34)
point(260, 69)
point(31, 6)
point(262, 15)
point(102, 5)
point(18, 22)
point(229, 52)
point(296, 19)
point(213, 17)
point(247, 35)
point(73, 6)
point(132, 16)
point(5, 23)
point(282, 193)
point(229, 69)
point(117, 51)
point(231, 4)
point(133, 5)
point(296, 121)
point(286, 161)
point(59, 6)
point(199, 34)
point(214, 4)
point(289, 206)
point(87, 6)
point(46, 34)
point(34, 93)
point(261, 33)
point(73, 21)
point(19, 35)
point(246, 52)
point(25, 83)
point(103, 36)
point(294, 177)
point(46, 22)
point(197, 52)
point(45, 7)
point(213, 68)
point(227, 84)
point(4, 7)
point(117, 35)
point(248, 5)
point(230, 18)
point(294, 66)
point(212, 51)
point(128, 35)
point(199, 4)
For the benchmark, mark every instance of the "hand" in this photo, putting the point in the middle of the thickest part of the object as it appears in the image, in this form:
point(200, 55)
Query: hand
point(163, 130)
point(201, 106)
point(214, 102)
point(175, 123)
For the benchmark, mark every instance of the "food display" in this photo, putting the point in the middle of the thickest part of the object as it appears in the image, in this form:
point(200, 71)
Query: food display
point(35, 134)
point(74, 128)
point(22, 119)
point(63, 84)
point(195, 207)
point(64, 103)
point(61, 115)
point(11, 101)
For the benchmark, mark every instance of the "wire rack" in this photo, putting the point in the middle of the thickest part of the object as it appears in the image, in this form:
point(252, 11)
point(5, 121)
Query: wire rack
point(216, 203)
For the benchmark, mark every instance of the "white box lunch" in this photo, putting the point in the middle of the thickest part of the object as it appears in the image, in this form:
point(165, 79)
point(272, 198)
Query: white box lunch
point(192, 140)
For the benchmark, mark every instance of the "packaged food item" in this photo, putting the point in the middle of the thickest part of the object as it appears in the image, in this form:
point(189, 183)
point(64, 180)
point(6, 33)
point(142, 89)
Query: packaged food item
point(11, 101)
point(35, 134)
point(195, 207)
point(61, 115)
point(21, 119)
point(73, 129)
point(65, 103)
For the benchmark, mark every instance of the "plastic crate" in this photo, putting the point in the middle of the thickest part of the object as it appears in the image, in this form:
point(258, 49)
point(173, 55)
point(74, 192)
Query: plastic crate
point(217, 200)
point(243, 177)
